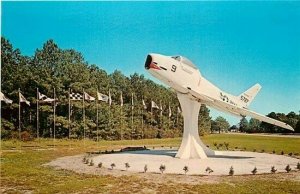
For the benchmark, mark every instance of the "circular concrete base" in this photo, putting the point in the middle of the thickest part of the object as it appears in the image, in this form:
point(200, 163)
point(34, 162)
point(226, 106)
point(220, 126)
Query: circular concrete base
point(242, 162)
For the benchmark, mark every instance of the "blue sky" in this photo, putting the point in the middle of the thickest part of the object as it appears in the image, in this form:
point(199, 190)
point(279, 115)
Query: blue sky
point(234, 44)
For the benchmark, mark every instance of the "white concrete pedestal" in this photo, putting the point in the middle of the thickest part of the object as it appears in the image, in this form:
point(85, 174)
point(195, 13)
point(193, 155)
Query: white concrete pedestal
point(191, 145)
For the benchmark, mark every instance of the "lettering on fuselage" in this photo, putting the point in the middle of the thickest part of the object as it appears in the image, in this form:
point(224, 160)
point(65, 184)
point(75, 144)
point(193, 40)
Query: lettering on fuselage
point(226, 99)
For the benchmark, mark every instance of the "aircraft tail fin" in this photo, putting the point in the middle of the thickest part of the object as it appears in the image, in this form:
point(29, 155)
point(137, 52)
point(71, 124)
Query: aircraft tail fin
point(247, 96)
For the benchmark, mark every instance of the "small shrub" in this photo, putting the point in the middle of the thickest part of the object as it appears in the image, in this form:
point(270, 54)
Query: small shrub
point(236, 147)
point(91, 162)
point(127, 165)
point(84, 159)
point(217, 147)
point(87, 161)
point(254, 171)
point(262, 151)
point(215, 144)
point(288, 168)
point(273, 169)
point(245, 148)
point(298, 166)
point(112, 151)
point(185, 169)
point(231, 171)
point(282, 153)
point(226, 145)
point(100, 165)
point(112, 165)
point(145, 168)
point(290, 154)
point(162, 168)
point(254, 150)
point(208, 170)
point(273, 152)
point(220, 145)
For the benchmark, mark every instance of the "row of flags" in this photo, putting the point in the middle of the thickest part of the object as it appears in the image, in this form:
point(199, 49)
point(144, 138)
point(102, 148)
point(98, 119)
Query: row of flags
point(77, 96)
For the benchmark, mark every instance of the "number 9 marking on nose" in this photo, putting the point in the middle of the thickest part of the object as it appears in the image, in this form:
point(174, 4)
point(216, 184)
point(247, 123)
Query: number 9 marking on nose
point(173, 68)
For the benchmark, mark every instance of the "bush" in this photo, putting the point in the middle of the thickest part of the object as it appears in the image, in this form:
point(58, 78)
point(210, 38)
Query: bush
point(25, 136)
point(215, 144)
point(127, 165)
point(273, 169)
point(254, 150)
point(231, 171)
point(273, 152)
point(112, 165)
point(84, 159)
point(87, 161)
point(282, 153)
point(91, 162)
point(145, 168)
point(185, 169)
point(226, 145)
point(290, 154)
point(162, 168)
point(262, 151)
point(288, 168)
point(254, 171)
point(208, 170)
point(298, 166)
point(100, 165)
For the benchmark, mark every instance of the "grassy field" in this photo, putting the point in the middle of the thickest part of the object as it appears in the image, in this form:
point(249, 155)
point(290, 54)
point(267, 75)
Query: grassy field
point(22, 171)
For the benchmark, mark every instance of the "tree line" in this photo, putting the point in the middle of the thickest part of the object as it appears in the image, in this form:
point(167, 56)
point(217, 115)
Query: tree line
point(63, 69)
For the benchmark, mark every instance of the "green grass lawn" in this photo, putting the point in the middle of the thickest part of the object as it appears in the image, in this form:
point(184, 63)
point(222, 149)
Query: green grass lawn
point(22, 171)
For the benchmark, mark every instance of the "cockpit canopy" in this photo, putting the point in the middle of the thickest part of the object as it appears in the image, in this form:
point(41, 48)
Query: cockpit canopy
point(185, 61)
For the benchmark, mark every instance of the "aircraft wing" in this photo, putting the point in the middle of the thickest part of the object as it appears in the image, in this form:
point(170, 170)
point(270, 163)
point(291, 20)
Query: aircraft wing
point(226, 107)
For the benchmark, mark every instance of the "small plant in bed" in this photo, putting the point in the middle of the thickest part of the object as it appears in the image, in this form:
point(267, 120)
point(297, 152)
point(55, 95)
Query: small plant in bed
point(288, 168)
point(91, 162)
point(231, 171)
point(127, 165)
point(208, 170)
point(185, 169)
point(112, 165)
point(100, 165)
point(145, 168)
point(273, 169)
point(162, 168)
point(298, 166)
point(254, 171)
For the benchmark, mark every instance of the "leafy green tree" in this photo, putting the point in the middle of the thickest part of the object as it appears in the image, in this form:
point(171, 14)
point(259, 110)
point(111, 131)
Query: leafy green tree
point(220, 124)
point(254, 126)
point(244, 125)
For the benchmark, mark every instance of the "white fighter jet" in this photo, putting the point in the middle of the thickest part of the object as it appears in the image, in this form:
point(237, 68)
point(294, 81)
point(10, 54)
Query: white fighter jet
point(182, 75)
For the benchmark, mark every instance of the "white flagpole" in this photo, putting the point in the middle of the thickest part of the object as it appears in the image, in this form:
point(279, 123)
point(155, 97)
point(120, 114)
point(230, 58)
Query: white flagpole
point(83, 114)
point(37, 112)
point(143, 121)
point(121, 104)
point(97, 119)
point(169, 116)
point(131, 115)
point(54, 109)
point(69, 114)
point(19, 116)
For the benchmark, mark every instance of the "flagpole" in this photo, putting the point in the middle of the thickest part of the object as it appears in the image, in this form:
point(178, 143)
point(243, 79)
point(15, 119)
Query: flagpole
point(19, 116)
point(54, 109)
point(97, 119)
point(131, 115)
point(143, 122)
point(169, 116)
point(83, 115)
point(69, 114)
point(121, 118)
point(37, 113)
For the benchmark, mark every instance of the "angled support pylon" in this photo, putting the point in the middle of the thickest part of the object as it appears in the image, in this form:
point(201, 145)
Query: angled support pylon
point(191, 145)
